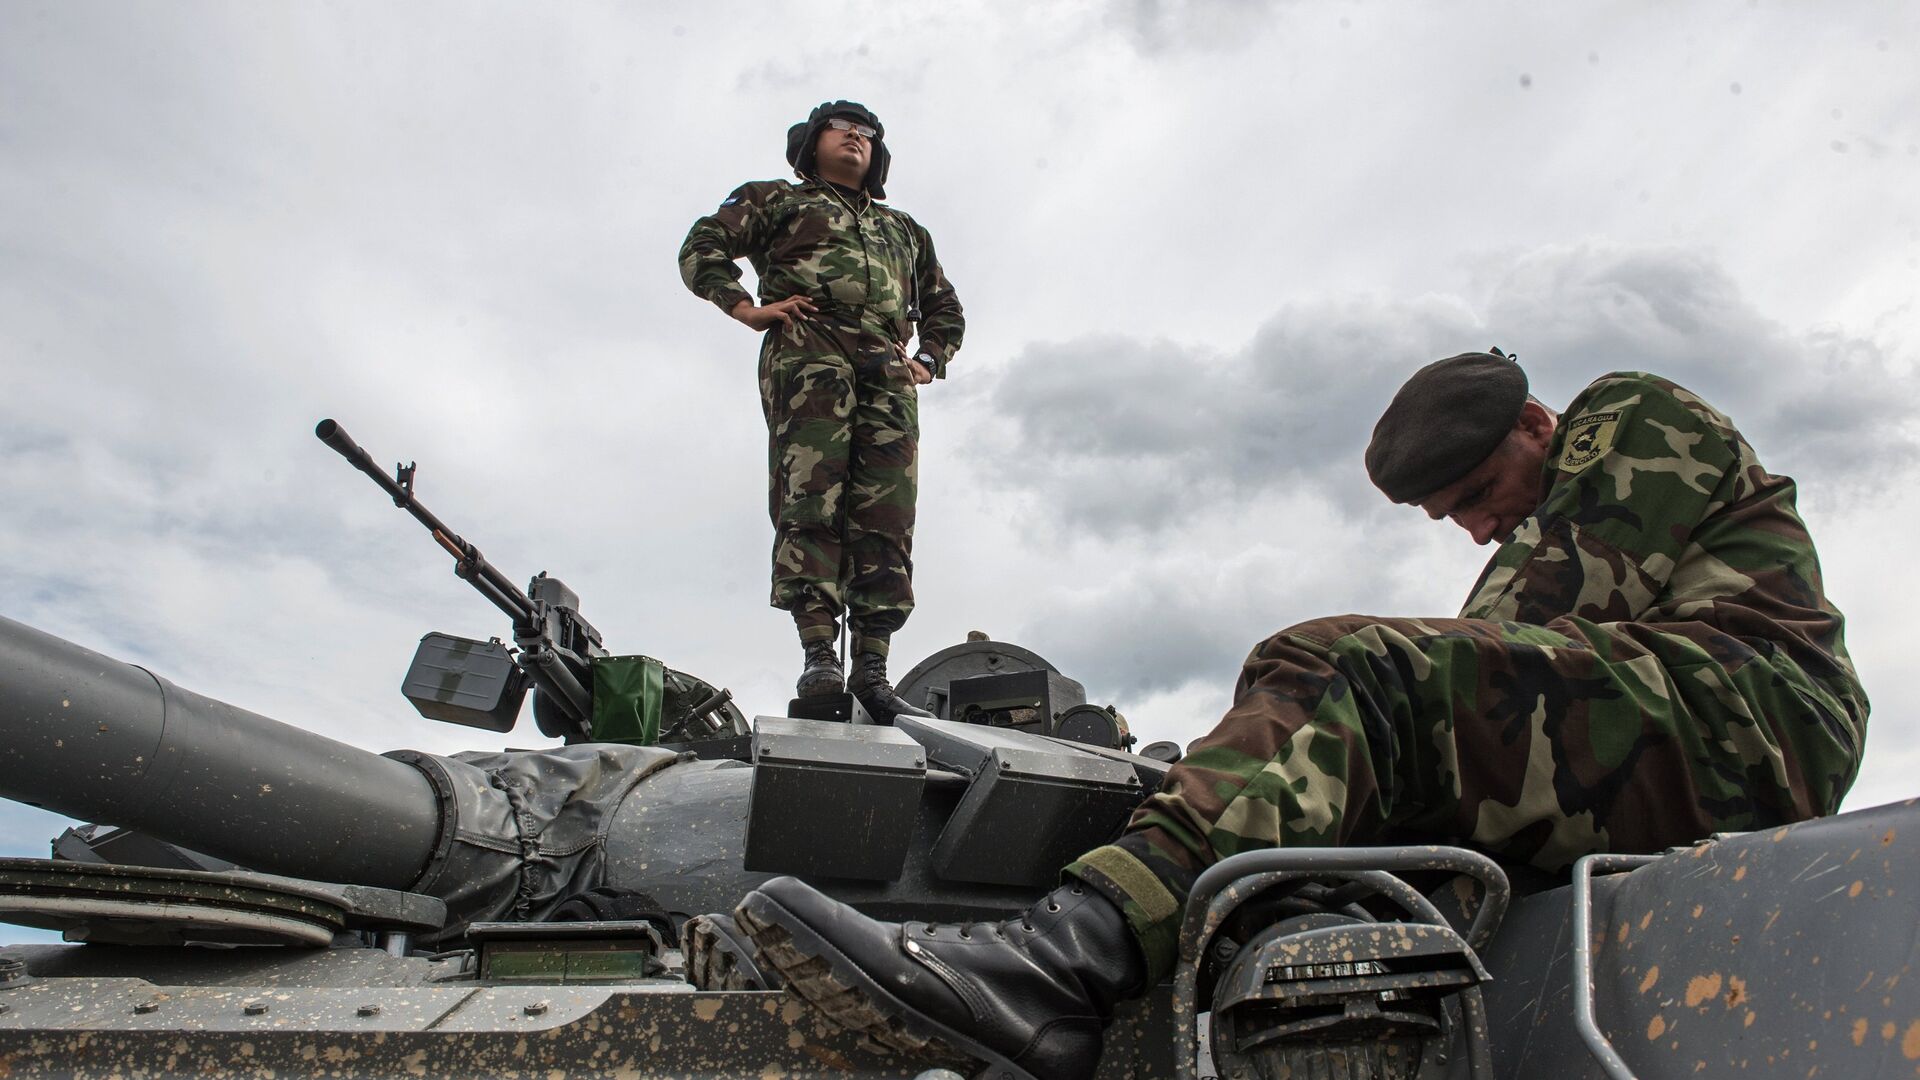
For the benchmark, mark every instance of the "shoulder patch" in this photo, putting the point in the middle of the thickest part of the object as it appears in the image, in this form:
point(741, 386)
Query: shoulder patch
point(1588, 437)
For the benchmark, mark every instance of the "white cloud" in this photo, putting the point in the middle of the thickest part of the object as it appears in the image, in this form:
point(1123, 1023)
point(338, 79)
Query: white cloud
point(454, 229)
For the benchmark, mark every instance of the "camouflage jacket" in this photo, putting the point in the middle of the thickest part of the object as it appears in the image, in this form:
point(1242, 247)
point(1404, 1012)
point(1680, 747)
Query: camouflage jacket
point(804, 241)
point(1655, 510)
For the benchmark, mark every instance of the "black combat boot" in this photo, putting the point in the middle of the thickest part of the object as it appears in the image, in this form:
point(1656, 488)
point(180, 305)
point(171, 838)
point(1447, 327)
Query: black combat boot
point(869, 684)
point(821, 677)
point(1029, 996)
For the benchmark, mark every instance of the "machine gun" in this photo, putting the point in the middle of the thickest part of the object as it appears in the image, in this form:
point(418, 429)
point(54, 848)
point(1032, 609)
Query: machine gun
point(482, 684)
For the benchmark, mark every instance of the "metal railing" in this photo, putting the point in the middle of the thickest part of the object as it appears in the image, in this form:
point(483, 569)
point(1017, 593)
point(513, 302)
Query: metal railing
point(1584, 1017)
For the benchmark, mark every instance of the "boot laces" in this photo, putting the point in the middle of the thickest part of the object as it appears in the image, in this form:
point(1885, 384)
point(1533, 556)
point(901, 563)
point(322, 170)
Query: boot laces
point(965, 930)
point(873, 674)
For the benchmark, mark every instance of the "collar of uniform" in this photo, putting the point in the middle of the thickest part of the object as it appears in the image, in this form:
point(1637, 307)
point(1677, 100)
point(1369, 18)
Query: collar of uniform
point(1549, 468)
point(858, 203)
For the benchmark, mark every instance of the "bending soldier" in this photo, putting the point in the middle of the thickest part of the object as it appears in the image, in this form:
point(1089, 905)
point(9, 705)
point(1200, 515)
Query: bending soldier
point(845, 281)
point(1647, 658)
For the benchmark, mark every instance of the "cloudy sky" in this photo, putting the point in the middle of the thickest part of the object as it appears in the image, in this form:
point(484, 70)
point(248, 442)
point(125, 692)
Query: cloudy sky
point(1199, 246)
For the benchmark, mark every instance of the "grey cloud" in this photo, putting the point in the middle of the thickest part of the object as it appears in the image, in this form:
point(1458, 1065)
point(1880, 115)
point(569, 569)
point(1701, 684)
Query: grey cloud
point(1154, 630)
point(1115, 433)
point(1120, 434)
point(1156, 27)
point(1822, 403)
point(1143, 619)
point(777, 74)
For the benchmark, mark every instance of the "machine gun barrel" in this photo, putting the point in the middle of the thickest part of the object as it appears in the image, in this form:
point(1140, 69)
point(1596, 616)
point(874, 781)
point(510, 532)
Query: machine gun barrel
point(469, 563)
point(94, 738)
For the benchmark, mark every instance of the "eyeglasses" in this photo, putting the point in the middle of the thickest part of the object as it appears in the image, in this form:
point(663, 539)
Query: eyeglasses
point(862, 130)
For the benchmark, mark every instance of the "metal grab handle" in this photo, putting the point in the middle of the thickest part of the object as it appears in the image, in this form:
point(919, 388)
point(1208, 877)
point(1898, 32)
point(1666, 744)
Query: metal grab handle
point(1186, 984)
point(1584, 1018)
point(1207, 908)
point(1497, 893)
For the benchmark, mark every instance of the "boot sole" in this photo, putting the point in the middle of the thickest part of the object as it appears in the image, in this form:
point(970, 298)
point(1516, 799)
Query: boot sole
point(823, 687)
point(846, 995)
point(719, 957)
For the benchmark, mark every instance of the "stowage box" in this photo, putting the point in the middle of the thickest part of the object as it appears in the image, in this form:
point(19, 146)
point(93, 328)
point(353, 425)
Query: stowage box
point(1034, 803)
point(832, 799)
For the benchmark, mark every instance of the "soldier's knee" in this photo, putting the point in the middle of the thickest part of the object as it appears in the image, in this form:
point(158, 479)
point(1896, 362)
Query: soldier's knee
point(1318, 635)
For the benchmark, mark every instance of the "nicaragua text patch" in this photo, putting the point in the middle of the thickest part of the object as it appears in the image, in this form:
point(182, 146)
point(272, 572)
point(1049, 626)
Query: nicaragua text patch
point(1587, 438)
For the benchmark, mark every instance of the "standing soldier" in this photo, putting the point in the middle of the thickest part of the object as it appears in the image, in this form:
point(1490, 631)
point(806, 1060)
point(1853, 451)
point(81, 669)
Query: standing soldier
point(845, 283)
point(1648, 658)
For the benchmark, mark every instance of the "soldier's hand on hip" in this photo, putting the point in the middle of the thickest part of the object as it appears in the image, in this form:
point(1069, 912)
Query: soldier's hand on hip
point(785, 312)
point(922, 375)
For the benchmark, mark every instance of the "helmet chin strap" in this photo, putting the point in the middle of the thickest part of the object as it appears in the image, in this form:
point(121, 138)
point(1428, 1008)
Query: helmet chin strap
point(859, 183)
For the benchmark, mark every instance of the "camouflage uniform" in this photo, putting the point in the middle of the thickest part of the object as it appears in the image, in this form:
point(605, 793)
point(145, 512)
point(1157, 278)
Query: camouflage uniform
point(1649, 658)
point(842, 411)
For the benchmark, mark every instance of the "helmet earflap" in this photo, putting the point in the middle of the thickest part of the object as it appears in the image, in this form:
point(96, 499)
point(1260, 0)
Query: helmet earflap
point(799, 149)
point(876, 183)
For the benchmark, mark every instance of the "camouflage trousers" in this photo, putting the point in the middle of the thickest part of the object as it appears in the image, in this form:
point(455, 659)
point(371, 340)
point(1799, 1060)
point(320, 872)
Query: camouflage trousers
point(843, 432)
point(1536, 743)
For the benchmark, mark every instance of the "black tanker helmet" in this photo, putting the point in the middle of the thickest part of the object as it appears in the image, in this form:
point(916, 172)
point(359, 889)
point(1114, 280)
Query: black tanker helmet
point(801, 139)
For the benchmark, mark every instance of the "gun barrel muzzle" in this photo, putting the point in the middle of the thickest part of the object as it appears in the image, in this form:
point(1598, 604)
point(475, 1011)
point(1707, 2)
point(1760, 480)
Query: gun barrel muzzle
point(330, 432)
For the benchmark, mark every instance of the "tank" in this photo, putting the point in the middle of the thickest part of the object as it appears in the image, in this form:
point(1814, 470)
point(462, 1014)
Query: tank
point(260, 901)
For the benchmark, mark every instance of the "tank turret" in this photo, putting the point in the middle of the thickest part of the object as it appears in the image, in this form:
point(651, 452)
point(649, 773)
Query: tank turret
point(511, 835)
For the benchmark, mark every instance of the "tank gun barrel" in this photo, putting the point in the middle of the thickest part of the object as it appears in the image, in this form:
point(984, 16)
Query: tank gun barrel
point(95, 738)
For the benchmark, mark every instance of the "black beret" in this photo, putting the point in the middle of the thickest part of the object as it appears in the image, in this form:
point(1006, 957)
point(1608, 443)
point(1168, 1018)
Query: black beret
point(1443, 422)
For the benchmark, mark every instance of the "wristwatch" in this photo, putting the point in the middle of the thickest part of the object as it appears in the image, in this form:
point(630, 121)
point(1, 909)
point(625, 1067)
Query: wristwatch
point(933, 364)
